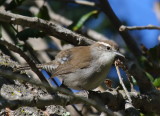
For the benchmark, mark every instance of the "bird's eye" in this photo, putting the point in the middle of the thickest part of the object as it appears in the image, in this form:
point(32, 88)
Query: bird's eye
point(108, 48)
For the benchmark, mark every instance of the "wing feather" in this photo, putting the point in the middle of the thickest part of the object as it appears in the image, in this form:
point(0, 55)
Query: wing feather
point(72, 59)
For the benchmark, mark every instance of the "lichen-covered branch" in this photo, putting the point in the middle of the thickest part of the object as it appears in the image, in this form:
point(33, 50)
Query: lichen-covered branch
point(98, 106)
point(114, 99)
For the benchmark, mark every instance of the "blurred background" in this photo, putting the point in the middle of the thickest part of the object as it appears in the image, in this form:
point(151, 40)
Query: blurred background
point(86, 20)
point(83, 19)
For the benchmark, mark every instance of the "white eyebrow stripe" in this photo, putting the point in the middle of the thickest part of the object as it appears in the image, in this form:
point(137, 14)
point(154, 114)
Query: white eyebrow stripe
point(105, 44)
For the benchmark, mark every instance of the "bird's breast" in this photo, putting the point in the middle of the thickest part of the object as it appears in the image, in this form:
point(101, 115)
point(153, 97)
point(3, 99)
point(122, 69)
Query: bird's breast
point(88, 78)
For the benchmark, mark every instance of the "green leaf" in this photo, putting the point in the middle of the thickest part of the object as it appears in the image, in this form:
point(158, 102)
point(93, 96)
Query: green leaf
point(152, 62)
point(84, 18)
point(156, 82)
point(25, 34)
point(134, 80)
point(150, 76)
point(43, 13)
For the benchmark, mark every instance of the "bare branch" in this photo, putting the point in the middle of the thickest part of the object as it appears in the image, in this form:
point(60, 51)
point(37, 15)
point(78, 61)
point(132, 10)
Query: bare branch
point(81, 2)
point(33, 67)
point(143, 82)
point(28, 60)
point(121, 82)
point(46, 26)
point(98, 106)
point(124, 28)
point(67, 22)
point(130, 42)
point(114, 99)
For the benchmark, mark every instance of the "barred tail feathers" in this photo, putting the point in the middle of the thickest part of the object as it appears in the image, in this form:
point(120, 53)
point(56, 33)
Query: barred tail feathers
point(26, 67)
point(47, 67)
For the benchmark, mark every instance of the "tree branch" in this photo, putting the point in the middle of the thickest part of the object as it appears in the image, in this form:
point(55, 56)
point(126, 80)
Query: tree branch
point(81, 2)
point(130, 42)
point(98, 106)
point(121, 82)
point(143, 82)
point(23, 55)
point(114, 99)
point(67, 22)
point(46, 26)
point(124, 28)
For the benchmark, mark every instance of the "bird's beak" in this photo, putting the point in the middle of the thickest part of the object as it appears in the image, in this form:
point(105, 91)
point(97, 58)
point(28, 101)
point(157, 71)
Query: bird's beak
point(119, 54)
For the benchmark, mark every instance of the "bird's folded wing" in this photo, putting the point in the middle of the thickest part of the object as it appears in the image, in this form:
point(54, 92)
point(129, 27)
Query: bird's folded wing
point(72, 59)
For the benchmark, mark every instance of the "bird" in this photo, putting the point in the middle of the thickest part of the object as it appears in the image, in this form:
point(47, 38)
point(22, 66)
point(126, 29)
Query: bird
point(82, 67)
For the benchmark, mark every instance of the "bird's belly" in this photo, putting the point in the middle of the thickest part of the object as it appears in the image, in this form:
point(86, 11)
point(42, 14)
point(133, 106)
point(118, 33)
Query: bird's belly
point(85, 79)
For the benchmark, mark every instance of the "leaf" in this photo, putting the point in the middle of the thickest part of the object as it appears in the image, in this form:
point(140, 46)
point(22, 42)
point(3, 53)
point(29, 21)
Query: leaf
point(25, 34)
point(43, 13)
point(134, 80)
point(156, 82)
point(144, 61)
point(150, 76)
point(151, 61)
point(84, 18)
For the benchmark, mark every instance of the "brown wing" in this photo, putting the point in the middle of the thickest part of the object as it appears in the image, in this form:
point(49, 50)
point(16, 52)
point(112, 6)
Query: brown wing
point(72, 59)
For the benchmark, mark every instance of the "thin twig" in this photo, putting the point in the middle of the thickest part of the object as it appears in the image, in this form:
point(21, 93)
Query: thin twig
point(121, 82)
point(143, 82)
point(129, 40)
point(124, 28)
point(81, 2)
point(125, 69)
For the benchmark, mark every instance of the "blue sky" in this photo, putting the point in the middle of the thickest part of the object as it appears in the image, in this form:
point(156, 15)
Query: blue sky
point(138, 13)
point(135, 13)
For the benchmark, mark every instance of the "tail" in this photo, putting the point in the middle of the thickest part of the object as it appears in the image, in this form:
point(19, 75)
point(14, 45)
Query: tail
point(26, 67)
point(48, 67)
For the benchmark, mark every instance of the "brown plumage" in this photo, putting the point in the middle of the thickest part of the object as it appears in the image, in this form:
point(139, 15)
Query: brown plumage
point(65, 61)
point(83, 67)
point(72, 56)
